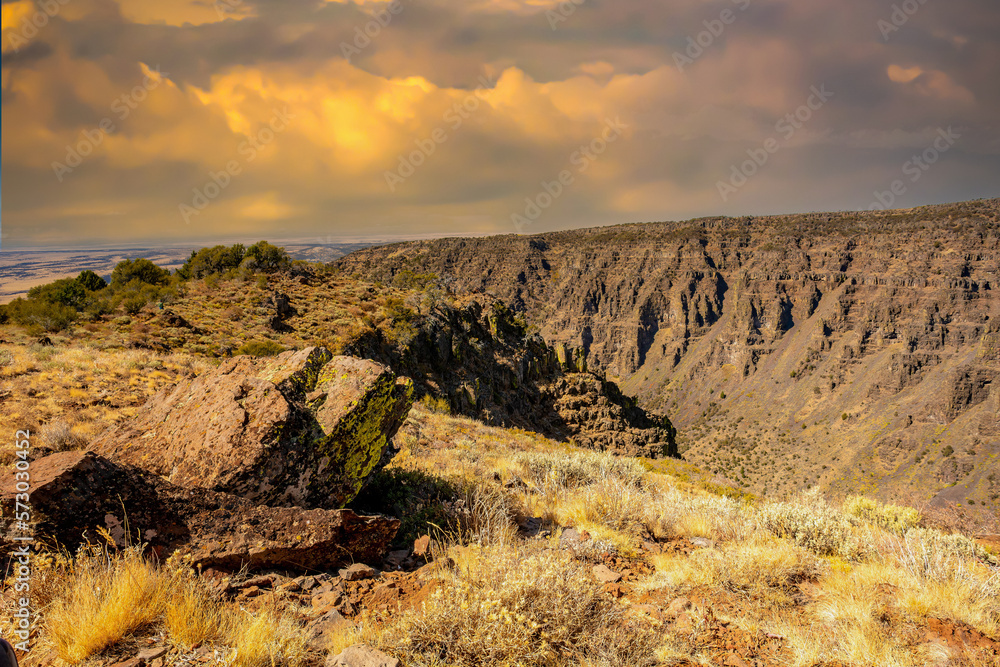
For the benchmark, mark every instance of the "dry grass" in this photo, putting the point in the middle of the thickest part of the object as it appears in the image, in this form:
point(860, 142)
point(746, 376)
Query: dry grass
point(193, 616)
point(105, 600)
point(266, 638)
point(890, 518)
point(505, 607)
point(103, 597)
point(872, 578)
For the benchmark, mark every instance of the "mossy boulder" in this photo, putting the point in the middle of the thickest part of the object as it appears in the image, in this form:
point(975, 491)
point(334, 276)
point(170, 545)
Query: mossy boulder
point(304, 428)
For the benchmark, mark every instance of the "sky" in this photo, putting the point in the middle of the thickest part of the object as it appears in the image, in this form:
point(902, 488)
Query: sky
point(176, 120)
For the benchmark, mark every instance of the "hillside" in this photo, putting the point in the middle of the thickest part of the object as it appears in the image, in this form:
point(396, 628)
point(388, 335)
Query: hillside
point(231, 470)
point(856, 351)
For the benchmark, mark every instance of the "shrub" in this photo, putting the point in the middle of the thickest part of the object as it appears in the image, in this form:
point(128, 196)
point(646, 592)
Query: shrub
point(811, 523)
point(266, 258)
point(90, 281)
point(61, 437)
point(260, 348)
point(507, 609)
point(67, 292)
point(407, 279)
point(140, 269)
point(217, 259)
point(435, 404)
point(40, 315)
point(891, 518)
point(134, 304)
point(577, 469)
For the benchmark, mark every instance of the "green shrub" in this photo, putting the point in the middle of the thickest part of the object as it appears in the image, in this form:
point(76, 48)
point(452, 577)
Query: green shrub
point(90, 281)
point(40, 315)
point(217, 259)
point(141, 270)
point(407, 279)
point(266, 258)
point(66, 291)
point(260, 348)
point(134, 304)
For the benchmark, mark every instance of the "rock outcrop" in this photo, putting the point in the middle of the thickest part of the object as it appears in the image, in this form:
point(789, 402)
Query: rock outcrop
point(303, 429)
point(485, 363)
point(883, 327)
point(76, 493)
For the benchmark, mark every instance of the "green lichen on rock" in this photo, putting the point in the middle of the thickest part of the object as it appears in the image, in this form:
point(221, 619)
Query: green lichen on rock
point(312, 443)
point(298, 373)
point(364, 407)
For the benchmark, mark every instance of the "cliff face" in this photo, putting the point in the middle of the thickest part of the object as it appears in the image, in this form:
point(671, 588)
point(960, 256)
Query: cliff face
point(482, 360)
point(853, 350)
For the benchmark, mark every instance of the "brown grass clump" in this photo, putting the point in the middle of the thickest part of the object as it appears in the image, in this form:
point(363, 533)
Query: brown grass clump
point(504, 607)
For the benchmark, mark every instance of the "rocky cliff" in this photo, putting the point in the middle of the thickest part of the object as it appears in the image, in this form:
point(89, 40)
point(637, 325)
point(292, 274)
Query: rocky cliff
point(482, 360)
point(858, 351)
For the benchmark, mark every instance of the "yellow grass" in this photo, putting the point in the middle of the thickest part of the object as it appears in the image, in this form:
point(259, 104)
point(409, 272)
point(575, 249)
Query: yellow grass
point(265, 639)
point(103, 604)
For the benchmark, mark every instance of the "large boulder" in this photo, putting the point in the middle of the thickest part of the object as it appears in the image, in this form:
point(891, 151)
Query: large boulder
point(304, 428)
point(74, 494)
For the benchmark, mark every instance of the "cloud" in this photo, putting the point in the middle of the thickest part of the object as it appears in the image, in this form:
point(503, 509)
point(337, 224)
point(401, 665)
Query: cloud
point(511, 101)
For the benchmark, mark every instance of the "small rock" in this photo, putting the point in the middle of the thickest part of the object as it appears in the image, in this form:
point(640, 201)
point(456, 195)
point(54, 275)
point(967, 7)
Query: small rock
point(328, 623)
point(733, 660)
point(357, 572)
point(422, 546)
point(131, 662)
point(263, 581)
point(676, 607)
point(361, 656)
point(570, 538)
point(683, 624)
point(606, 575)
point(152, 653)
point(702, 543)
point(250, 592)
point(292, 586)
point(614, 590)
point(307, 583)
point(397, 560)
point(326, 601)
